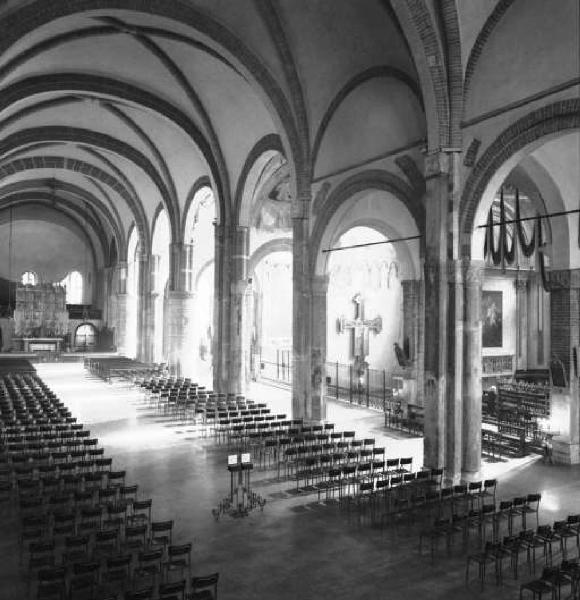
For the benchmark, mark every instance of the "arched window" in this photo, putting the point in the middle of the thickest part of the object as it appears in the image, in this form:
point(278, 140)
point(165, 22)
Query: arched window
point(29, 278)
point(85, 337)
point(73, 283)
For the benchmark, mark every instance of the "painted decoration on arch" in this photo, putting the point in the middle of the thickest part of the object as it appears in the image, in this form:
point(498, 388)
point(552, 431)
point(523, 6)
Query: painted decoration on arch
point(492, 317)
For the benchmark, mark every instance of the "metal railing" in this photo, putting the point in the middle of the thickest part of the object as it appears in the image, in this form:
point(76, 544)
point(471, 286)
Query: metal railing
point(377, 388)
point(373, 388)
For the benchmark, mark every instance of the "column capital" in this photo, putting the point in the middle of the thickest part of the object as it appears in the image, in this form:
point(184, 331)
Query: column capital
point(437, 163)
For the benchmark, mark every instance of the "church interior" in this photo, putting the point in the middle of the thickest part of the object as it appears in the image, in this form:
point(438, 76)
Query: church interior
point(289, 299)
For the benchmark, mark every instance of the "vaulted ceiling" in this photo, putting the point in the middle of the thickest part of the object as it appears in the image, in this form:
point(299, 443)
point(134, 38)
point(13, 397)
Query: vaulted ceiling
point(113, 108)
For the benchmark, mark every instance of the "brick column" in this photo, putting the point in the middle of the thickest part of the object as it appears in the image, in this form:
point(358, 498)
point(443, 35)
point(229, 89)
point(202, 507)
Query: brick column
point(565, 342)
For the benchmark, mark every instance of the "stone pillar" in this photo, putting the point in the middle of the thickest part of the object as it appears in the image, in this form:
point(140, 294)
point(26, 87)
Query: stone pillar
point(471, 456)
point(412, 329)
point(179, 309)
point(105, 291)
point(179, 320)
point(221, 316)
point(301, 310)
point(318, 355)
point(436, 308)
point(118, 290)
point(239, 289)
point(145, 309)
point(523, 326)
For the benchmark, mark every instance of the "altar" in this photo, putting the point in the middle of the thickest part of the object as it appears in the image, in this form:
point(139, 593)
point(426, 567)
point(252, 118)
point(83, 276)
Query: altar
point(40, 318)
point(40, 344)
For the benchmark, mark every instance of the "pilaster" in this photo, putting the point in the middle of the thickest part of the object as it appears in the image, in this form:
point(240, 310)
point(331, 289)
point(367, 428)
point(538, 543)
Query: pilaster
point(523, 328)
point(456, 368)
point(318, 354)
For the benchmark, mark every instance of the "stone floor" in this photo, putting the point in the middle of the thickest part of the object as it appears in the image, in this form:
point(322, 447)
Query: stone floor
point(296, 549)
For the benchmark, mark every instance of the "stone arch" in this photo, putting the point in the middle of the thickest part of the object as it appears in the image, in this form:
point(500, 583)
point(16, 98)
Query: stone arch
point(156, 214)
point(372, 179)
point(199, 184)
point(113, 252)
point(264, 147)
point(202, 269)
point(408, 269)
point(452, 41)
point(278, 245)
point(422, 36)
point(85, 324)
point(503, 154)
point(477, 50)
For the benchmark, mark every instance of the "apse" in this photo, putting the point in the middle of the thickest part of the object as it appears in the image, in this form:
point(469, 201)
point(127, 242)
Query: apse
point(364, 282)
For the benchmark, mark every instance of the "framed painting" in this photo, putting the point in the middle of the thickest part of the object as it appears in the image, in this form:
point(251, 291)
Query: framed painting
point(492, 317)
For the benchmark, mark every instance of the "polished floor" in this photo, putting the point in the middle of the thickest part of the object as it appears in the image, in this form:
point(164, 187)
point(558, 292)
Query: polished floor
point(296, 549)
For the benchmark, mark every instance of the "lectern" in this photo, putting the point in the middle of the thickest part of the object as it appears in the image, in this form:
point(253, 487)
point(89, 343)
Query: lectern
point(241, 465)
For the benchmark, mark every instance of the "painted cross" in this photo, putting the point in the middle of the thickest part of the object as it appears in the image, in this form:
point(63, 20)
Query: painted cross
point(360, 328)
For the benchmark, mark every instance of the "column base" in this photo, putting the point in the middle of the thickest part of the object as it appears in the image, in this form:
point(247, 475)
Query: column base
point(469, 476)
point(565, 453)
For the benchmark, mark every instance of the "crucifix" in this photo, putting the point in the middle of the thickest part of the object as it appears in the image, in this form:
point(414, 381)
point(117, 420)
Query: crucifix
point(360, 328)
